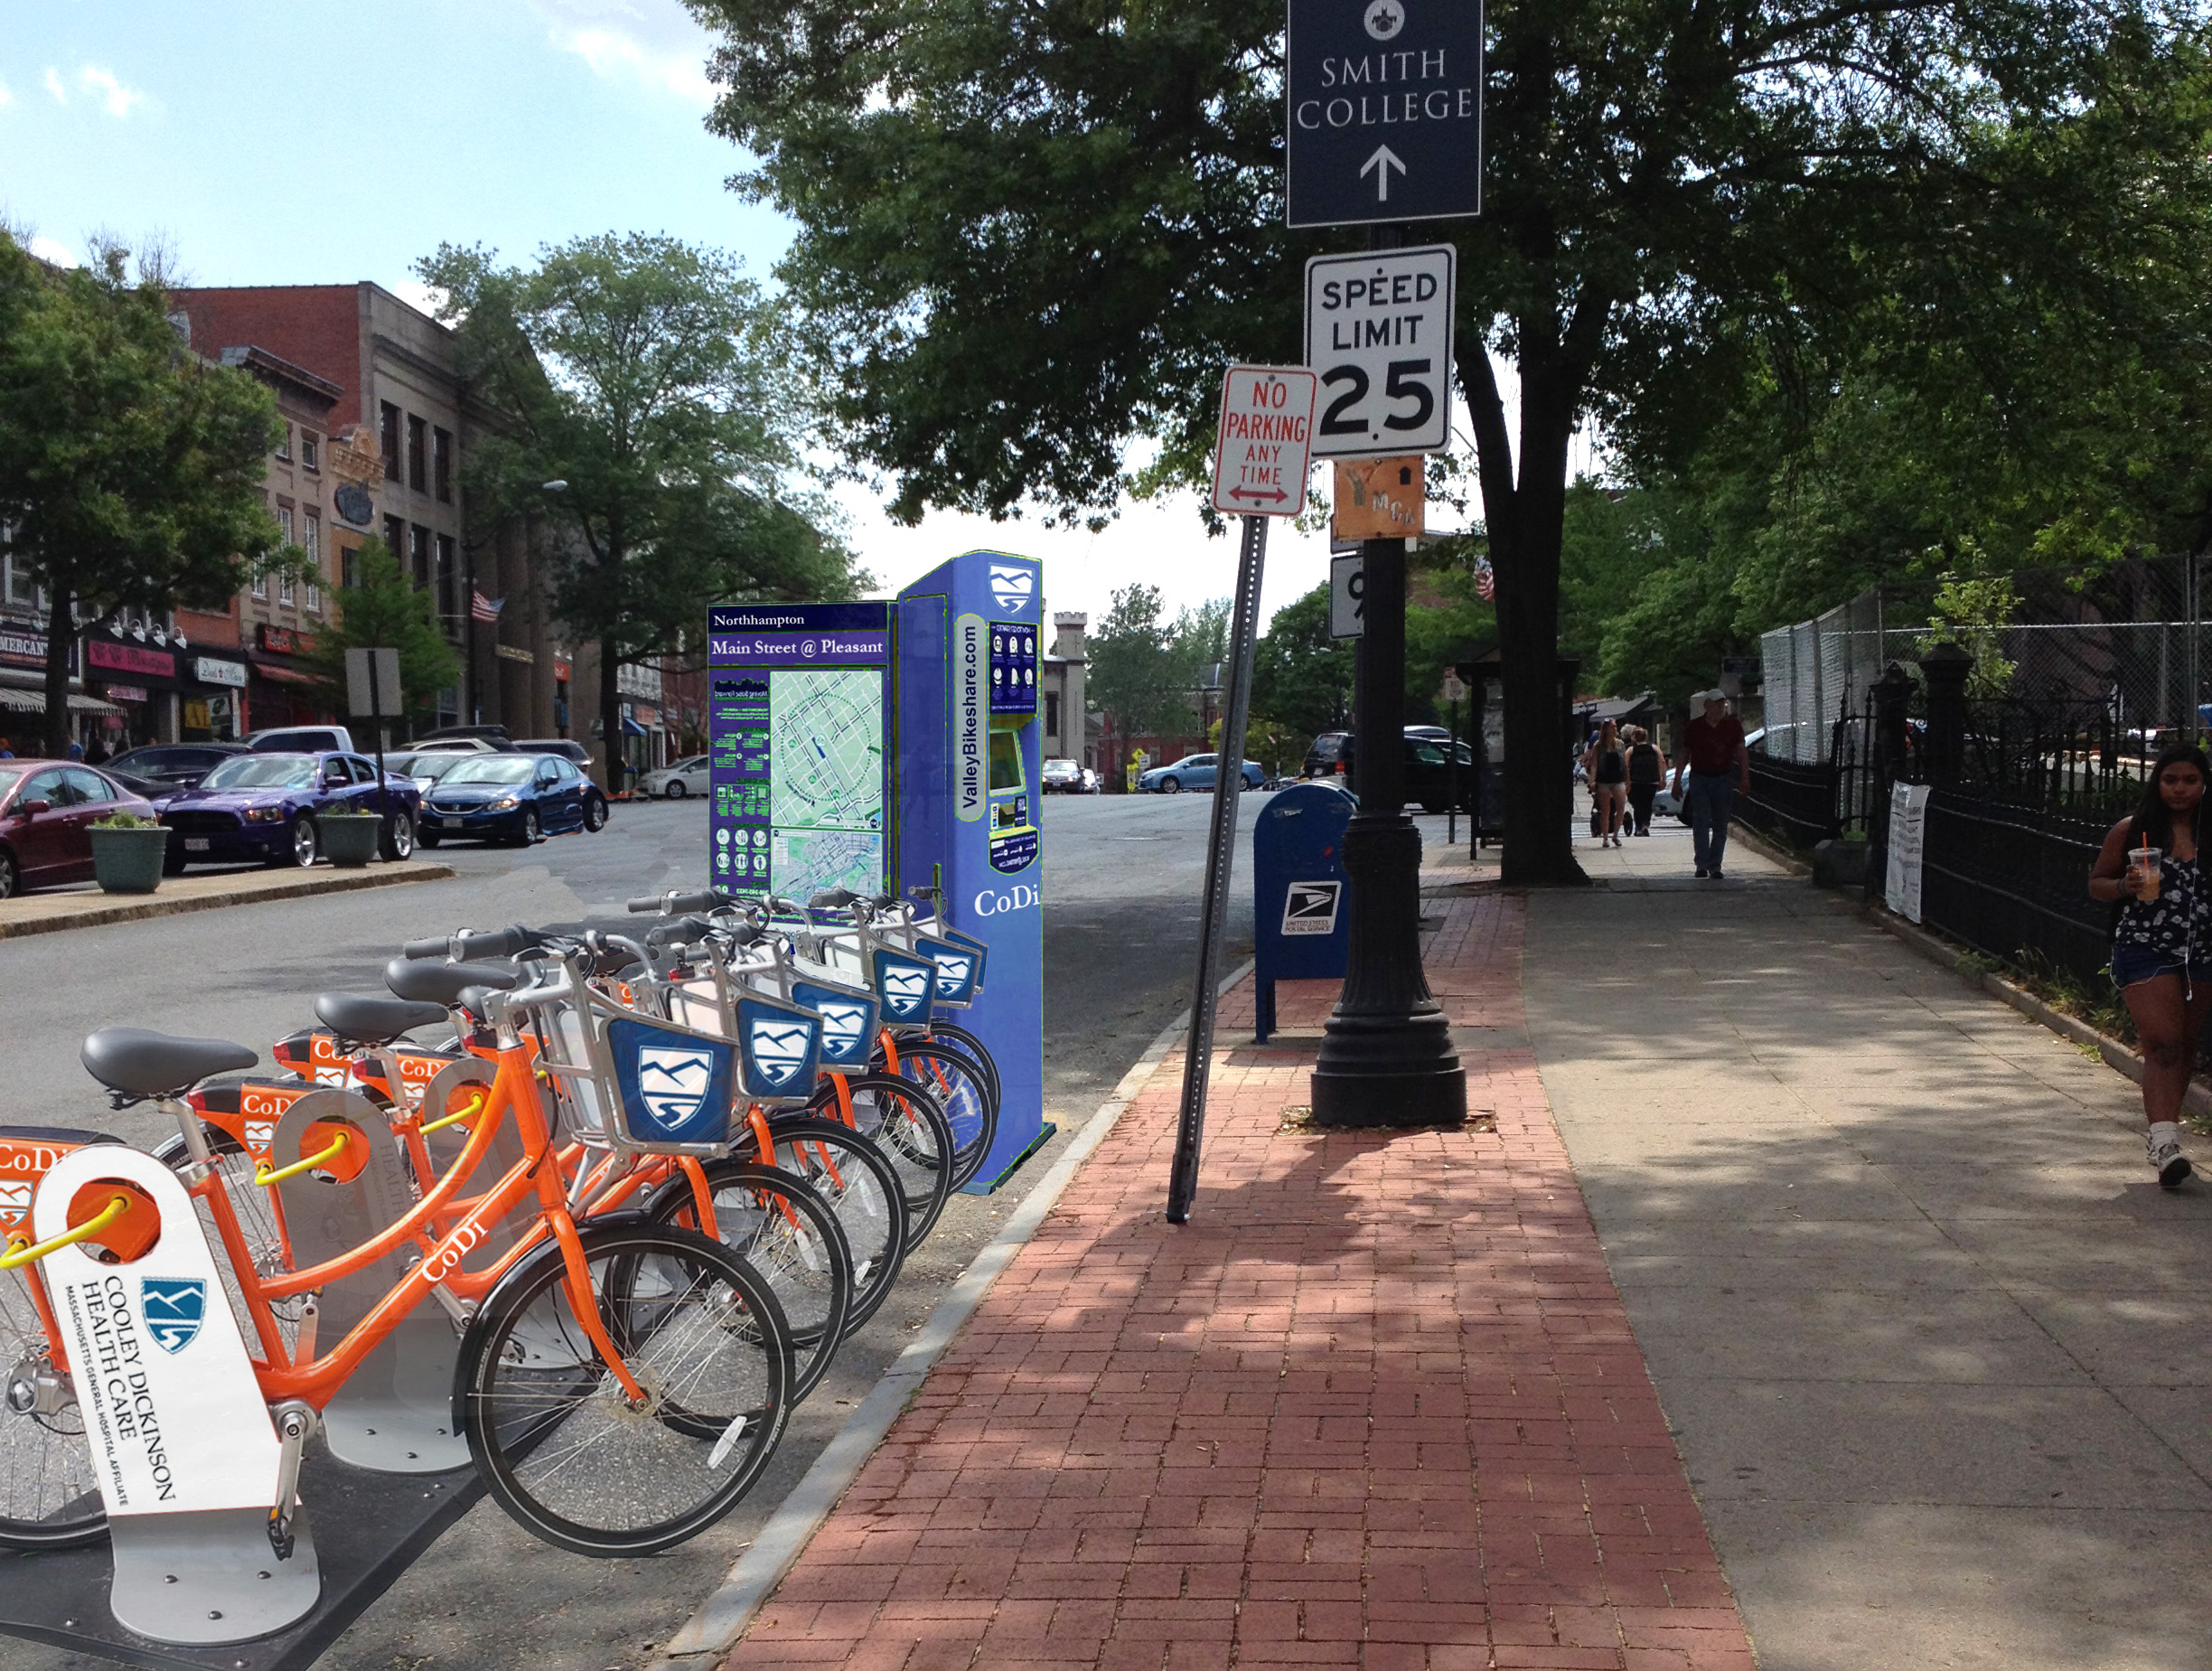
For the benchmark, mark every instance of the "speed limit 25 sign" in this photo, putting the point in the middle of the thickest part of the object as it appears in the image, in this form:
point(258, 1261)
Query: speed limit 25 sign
point(1379, 337)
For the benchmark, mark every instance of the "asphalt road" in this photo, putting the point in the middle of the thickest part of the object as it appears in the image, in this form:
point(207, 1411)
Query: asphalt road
point(1122, 883)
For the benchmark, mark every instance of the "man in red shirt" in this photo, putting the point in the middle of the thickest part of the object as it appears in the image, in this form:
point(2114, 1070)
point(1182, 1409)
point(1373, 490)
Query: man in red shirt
point(1713, 754)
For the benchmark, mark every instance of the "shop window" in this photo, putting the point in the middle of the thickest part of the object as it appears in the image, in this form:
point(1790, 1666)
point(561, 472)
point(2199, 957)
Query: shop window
point(416, 430)
point(390, 442)
point(311, 452)
point(441, 464)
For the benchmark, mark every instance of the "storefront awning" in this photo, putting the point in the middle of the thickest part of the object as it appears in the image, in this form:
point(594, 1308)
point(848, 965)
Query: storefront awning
point(14, 699)
point(631, 727)
point(284, 675)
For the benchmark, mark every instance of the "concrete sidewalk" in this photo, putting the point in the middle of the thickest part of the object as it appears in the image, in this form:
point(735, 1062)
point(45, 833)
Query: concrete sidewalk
point(49, 911)
point(1936, 1347)
point(1376, 1404)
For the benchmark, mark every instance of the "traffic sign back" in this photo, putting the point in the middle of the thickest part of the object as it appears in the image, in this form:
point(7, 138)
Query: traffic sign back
point(1263, 450)
point(1383, 112)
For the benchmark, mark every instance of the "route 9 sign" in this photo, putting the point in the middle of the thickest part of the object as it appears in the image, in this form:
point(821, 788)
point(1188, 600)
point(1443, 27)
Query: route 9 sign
point(1379, 337)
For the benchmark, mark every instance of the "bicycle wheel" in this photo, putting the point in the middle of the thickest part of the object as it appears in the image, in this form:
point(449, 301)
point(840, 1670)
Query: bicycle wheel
point(784, 1231)
point(942, 1032)
point(907, 1124)
point(255, 1212)
point(861, 1187)
point(48, 1492)
point(953, 1081)
point(560, 1443)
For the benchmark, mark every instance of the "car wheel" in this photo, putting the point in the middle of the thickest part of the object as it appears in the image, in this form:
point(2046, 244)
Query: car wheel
point(399, 838)
point(594, 814)
point(675, 790)
point(427, 837)
point(306, 841)
point(1171, 785)
point(11, 877)
point(529, 826)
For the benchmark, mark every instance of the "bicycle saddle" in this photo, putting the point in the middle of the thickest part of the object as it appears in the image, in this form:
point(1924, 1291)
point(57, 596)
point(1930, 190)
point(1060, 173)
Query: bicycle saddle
point(443, 983)
point(373, 1020)
point(139, 1063)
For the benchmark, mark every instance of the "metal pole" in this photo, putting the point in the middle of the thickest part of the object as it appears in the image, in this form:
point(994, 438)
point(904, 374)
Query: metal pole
point(1221, 855)
point(1451, 776)
point(376, 702)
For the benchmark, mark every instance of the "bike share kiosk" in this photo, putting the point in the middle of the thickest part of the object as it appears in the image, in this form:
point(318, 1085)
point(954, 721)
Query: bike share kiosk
point(890, 747)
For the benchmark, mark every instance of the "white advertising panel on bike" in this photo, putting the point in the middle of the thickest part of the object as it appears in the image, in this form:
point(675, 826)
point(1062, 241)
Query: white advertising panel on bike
point(172, 1414)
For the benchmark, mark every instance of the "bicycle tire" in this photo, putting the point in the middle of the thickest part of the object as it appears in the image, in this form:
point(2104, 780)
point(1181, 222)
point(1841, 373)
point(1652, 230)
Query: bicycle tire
point(949, 1076)
point(944, 1032)
point(861, 1187)
point(910, 1127)
point(777, 1223)
point(547, 1423)
point(50, 1495)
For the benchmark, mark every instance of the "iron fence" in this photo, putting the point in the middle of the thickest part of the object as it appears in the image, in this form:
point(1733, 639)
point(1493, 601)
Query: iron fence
point(2011, 879)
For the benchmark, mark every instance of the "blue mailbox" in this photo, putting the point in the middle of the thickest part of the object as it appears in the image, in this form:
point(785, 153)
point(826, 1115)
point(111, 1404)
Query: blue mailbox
point(1302, 930)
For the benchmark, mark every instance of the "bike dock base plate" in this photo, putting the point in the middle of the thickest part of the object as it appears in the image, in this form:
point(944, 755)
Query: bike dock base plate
point(369, 1529)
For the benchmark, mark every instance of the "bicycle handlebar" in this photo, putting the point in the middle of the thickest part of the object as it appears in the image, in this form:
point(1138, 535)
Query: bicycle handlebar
point(676, 904)
point(472, 943)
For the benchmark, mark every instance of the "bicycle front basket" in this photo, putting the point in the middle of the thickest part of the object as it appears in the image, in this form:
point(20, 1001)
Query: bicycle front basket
point(780, 1045)
point(960, 971)
point(904, 985)
point(849, 1015)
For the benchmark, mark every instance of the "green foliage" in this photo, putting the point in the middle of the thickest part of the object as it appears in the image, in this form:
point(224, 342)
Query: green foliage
point(651, 377)
point(130, 470)
point(1143, 671)
point(126, 821)
point(381, 610)
point(1971, 614)
point(1301, 677)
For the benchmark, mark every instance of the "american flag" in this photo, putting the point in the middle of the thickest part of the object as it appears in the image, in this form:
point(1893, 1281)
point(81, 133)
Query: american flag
point(1486, 580)
point(484, 608)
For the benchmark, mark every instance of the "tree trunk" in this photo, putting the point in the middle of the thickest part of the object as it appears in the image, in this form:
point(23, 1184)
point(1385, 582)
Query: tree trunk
point(61, 635)
point(610, 714)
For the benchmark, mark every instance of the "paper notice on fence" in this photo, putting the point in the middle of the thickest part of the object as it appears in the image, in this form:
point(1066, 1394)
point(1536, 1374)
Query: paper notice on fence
point(1907, 831)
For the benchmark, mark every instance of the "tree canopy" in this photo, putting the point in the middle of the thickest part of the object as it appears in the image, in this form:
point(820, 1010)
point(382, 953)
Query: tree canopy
point(647, 376)
point(1033, 231)
point(130, 469)
point(383, 609)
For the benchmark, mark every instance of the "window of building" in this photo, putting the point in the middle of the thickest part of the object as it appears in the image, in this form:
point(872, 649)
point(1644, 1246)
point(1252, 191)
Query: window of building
point(284, 589)
point(1052, 713)
point(392, 442)
point(416, 428)
point(418, 556)
point(284, 523)
point(446, 576)
point(315, 555)
point(441, 464)
point(260, 588)
point(311, 452)
point(348, 572)
point(395, 538)
point(284, 443)
point(15, 587)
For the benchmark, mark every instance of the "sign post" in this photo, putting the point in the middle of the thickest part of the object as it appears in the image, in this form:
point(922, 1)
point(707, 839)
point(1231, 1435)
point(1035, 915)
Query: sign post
point(372, 693)
point(1261, 454)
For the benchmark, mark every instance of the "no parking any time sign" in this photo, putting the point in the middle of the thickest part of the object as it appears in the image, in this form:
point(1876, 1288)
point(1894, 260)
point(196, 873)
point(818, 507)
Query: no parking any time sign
point(1266, 440)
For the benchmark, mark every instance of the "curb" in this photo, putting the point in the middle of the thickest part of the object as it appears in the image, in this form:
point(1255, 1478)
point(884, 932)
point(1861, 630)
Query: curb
point(1772, 851)
point(2119, 1057)
point(722, 1618)
point(336, 882)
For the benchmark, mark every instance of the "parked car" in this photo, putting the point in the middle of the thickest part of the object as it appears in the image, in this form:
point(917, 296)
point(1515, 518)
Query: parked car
point(677, 779)
point(462, 745)
point(164, 768)
point(1194, 772)
point(566, 747)
point(264, 806)
point(426, 769)
point(1322, 752)
point(46, 812)
point(1060, 776)
point(490, 733)
point(511, 798)
point(1429, 773)
point(302, 740)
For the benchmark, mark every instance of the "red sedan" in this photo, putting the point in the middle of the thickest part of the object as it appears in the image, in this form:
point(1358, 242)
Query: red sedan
point(47, 808)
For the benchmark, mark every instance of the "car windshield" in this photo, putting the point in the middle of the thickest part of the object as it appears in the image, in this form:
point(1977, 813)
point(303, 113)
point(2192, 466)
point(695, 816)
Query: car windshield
point(262, 772)
point(491, 769)
point(433, 767)
point(8, 781)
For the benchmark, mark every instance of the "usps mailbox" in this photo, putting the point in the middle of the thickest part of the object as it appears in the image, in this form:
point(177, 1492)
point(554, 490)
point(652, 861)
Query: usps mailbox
point(1302, 930)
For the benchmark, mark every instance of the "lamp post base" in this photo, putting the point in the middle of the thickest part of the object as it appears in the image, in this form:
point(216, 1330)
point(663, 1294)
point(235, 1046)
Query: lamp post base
point(1396, 1072)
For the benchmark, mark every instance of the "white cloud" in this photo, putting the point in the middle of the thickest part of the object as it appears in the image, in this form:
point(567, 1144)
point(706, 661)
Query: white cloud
point(54, 250)
point(418, 294)
point(53, 85)
point(652, 43)
point(116, 97)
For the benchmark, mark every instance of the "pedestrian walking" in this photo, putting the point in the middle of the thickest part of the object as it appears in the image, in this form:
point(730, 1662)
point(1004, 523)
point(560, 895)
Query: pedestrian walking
point(76, 750)
point(2150, 865)
point(1607, 768)
point(97, 754)
point(1710, 771)
point(7, 750)
point(1647, 771)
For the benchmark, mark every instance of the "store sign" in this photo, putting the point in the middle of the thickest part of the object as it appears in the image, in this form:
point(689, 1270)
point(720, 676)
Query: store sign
point(513, 652)
point(209, 670)
point(130, 658)
point(124, 693)
point(287, 640)
point(22, 644)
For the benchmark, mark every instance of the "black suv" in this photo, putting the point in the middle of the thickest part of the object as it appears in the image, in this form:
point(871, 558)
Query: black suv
point(1322, 754)
point(1429, 779)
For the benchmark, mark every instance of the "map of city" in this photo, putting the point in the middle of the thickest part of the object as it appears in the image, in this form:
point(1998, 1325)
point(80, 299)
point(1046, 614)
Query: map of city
point(825, 750)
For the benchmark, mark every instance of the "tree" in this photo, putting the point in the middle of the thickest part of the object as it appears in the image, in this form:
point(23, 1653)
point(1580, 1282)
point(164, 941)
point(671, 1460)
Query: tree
point(1134, 674)
point(1031, 231)
point(130, 470)
point(645, 374)
point(382, 609)
point(1301, 677)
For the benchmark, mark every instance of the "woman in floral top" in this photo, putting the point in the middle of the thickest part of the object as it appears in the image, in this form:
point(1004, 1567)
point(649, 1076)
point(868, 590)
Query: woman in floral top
point(2163, 939)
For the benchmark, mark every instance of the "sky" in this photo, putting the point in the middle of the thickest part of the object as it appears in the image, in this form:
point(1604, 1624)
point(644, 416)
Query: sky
point(273, 143)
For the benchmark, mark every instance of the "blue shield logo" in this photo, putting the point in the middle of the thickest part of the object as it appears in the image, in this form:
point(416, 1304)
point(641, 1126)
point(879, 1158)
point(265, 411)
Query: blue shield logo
point(673, 1082)
point(1012, 587)
point(780, 1048)
point(173, 1308)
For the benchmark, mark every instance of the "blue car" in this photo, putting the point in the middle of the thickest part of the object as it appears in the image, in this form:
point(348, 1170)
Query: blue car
point(1194, 772)
point(511, 798)
point(264, 807)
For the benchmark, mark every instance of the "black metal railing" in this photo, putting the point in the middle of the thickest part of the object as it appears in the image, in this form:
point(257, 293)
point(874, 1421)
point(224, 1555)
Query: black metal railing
point(2011, 878)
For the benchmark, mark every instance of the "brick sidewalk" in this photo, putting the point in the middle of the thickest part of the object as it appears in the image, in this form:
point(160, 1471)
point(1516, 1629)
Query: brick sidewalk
point(1377, 1404)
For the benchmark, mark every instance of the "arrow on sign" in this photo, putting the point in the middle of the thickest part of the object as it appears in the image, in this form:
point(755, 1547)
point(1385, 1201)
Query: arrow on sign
point(1277, 495)
point(1383, 160)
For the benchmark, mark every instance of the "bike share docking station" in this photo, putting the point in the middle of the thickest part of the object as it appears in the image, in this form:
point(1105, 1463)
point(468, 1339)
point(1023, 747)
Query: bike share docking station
point(895, 745)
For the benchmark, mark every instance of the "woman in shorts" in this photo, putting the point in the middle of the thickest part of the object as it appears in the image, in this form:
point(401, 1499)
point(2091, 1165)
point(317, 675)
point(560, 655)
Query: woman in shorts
point(2150, 865)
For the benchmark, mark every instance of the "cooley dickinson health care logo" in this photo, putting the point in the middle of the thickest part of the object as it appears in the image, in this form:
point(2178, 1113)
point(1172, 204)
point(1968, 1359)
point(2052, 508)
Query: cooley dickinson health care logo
point(111, 1345)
